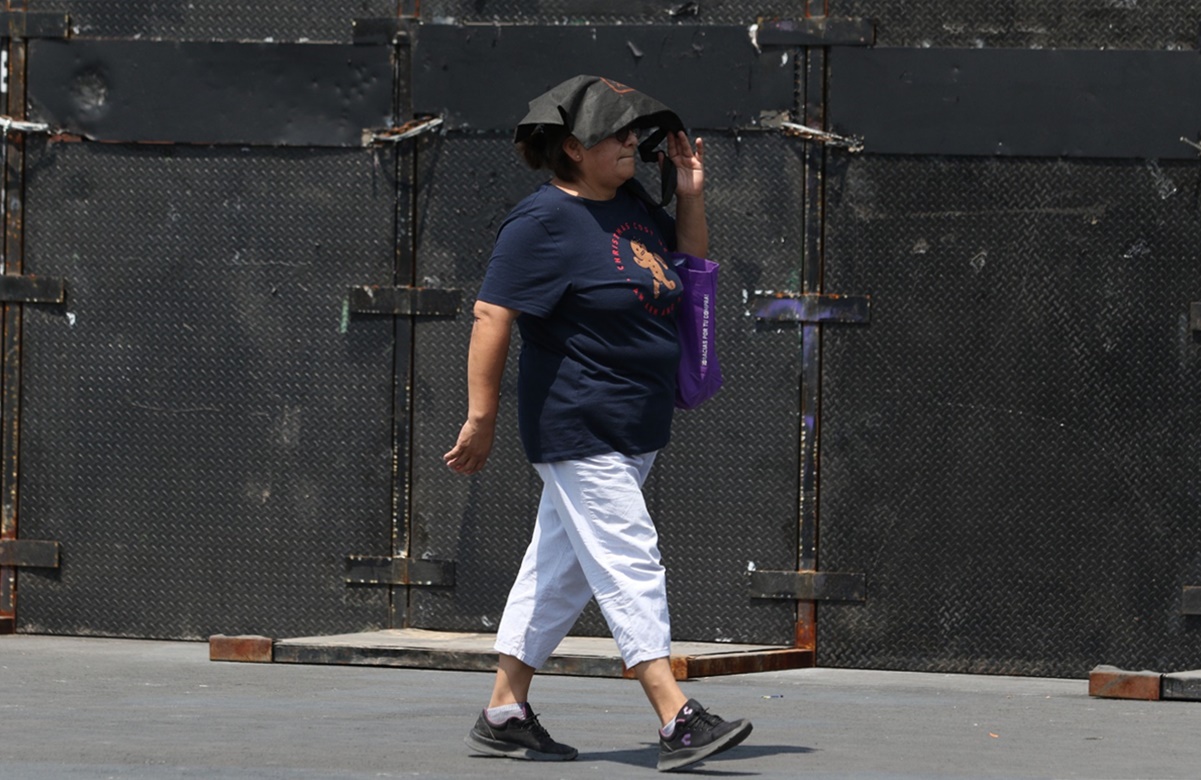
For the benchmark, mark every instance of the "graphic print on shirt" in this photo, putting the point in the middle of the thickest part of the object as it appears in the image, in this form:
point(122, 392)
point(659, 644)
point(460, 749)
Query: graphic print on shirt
point(633, 256)
point(653, 263)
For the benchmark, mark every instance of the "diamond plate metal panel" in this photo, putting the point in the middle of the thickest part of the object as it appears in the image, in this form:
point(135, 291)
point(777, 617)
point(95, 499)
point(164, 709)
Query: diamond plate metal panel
point(217, 20)
point(204, 429)
point(723, 494)
point(1084, 24)
point(1008, 450)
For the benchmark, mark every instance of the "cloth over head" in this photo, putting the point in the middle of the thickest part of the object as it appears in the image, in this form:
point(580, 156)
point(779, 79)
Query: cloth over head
point(593, 108)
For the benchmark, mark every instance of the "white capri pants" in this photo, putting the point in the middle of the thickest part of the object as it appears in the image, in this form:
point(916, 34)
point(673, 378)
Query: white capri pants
point(593, 537)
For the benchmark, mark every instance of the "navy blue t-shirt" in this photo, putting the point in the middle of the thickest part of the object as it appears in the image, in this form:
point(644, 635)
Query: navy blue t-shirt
point(597, 298)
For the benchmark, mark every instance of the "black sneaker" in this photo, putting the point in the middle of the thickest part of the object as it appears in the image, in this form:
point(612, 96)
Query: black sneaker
point(522, 738)
point(698, 735)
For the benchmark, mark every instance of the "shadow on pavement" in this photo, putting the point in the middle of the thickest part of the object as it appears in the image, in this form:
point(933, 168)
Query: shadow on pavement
point(648, 756)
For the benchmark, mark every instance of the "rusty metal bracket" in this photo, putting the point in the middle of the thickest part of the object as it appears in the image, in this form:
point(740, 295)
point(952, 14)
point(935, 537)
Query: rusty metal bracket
point(1190, 602)
point(15, 288)
point(810, 307)
point(782, 120)
point(814, 31)
point(34, 24)
point(808, 586)
point(29, 553)
point(396, 134)
point(405, 301)
point(385, 570)
point(853, 144)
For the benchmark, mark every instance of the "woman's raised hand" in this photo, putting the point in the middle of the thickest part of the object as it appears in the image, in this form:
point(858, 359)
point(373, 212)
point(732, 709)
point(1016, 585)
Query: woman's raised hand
point(690, 165)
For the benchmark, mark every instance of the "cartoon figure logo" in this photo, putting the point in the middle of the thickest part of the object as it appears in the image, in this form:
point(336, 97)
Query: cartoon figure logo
point(653, 263)
point(654, 280)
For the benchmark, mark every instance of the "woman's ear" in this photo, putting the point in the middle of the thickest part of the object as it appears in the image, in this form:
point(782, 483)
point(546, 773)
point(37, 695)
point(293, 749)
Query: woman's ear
point(573, 148)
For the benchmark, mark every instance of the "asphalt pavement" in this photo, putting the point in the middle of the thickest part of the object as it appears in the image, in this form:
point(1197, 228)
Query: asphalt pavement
point(108, 708)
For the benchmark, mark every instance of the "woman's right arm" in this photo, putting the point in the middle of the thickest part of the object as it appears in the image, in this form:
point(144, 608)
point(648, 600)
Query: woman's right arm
point(485, 366)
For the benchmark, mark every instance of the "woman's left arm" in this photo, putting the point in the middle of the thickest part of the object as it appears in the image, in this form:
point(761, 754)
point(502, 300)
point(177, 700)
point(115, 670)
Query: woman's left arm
point(692, 229)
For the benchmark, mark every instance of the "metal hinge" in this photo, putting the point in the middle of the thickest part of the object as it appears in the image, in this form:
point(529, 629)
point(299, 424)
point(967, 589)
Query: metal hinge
point(406, 301)
point(29, 553)
point(34, 24)
point(808, 586)
point(31, 289)
point(386, 570)
point(809, 307)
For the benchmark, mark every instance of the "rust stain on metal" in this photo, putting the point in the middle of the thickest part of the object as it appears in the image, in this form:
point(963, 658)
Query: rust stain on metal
point(806, 625)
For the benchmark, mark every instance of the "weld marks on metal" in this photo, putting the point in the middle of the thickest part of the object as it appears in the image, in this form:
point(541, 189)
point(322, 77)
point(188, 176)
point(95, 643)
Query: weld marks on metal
point(808, 585)
point(405, 301)
point(385, 570)
point(818, 31)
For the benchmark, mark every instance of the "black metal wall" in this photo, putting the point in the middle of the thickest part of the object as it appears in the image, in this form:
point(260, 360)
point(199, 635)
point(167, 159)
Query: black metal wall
point(1007, 451)
point(1004, 450)
point(205, 429)
point(209, 434)
point(201, 421)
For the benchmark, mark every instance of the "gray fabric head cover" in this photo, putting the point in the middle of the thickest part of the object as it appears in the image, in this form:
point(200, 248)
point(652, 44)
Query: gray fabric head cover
point(593, 108)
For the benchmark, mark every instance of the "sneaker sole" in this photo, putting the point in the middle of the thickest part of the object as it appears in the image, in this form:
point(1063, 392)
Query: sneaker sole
point(682, 758)
point(509, 750)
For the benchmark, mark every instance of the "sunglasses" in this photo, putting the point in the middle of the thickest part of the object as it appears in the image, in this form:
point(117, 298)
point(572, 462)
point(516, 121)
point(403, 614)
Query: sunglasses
point(624, 134)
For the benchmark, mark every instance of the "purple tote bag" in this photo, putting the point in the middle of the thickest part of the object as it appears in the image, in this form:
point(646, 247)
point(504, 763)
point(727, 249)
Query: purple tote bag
point(699, 376)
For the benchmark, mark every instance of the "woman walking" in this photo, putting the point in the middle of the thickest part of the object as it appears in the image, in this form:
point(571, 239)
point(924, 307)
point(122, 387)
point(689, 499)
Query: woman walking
point(579, 266)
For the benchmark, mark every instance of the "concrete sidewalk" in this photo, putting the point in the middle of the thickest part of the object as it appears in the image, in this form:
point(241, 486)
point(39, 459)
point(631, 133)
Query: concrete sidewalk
point(100, 708)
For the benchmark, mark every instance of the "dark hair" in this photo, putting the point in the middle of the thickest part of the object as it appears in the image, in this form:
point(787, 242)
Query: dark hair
point(543, 149)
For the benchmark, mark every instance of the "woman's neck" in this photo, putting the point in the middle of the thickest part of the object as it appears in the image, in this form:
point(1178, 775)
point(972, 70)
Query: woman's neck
point(582, 189)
